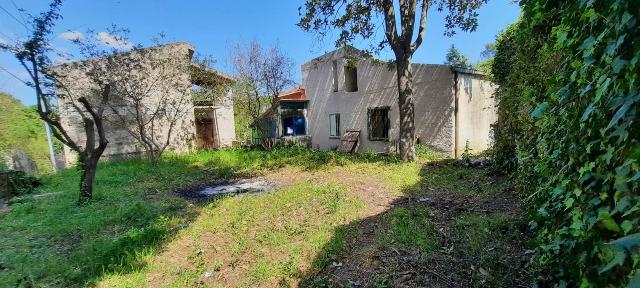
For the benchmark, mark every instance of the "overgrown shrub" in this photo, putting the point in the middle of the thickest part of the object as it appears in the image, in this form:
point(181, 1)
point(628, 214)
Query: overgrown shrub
point(568, 132)
point(18, 182)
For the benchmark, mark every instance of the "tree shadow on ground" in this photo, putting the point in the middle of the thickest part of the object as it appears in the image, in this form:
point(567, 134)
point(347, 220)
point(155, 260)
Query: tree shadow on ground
point(457, 227)
point(134, 214)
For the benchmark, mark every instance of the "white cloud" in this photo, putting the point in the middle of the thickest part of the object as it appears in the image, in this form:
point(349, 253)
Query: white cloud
point(71, 35)
point(113, 41)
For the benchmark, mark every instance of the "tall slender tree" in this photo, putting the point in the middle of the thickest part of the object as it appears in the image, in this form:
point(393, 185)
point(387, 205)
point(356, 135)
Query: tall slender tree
point(33, 53)
point(360, 19)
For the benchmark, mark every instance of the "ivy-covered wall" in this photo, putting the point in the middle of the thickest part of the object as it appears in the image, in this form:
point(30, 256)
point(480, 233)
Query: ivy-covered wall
point(568, 133)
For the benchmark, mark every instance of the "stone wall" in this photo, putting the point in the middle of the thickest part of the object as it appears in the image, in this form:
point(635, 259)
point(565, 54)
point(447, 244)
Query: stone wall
point(120, 131)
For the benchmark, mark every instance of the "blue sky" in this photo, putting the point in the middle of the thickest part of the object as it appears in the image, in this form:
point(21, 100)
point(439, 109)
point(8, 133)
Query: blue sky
point(213, 26)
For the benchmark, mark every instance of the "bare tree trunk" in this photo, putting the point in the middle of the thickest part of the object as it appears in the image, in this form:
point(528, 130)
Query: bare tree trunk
point(406, 105)
point(88, 168)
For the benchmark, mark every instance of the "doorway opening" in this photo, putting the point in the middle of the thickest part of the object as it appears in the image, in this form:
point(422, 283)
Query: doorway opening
point(206, 129)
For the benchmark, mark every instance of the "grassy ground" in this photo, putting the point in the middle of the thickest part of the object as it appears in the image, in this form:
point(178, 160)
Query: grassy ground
point(336, 220)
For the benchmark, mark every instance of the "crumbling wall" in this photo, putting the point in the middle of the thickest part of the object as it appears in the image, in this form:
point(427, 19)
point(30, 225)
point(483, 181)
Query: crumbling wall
point(122, 144)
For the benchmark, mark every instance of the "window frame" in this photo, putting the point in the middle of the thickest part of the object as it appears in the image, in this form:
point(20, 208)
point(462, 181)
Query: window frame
point(386, 122)
point(337, 117)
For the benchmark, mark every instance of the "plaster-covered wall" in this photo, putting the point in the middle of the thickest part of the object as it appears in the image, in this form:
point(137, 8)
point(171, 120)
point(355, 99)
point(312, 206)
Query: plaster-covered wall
point(225, 121)
point(377, 87)
point(477, 111)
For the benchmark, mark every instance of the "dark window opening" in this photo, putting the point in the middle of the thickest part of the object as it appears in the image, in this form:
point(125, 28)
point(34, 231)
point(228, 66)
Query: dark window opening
point(335, 75)
point(350, 79)
point(293, 123)
point(334, 125)
point(379, 123)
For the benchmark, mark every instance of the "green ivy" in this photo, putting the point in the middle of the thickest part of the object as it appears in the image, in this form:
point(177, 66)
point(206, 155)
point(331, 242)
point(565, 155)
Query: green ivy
point(568, 133)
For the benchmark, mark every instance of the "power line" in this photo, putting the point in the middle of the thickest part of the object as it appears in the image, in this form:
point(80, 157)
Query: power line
point(20, 12)
point(14, 17)
point(14, 76)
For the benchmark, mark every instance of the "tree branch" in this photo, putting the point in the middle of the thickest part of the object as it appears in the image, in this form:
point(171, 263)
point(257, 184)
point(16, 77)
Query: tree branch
point(423, 24)
point(97, 118)
point(407, 21)
point(390, 23)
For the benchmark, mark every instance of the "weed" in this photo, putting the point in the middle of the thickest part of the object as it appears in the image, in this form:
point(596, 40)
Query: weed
point(410, 228)
point(426, 152)
point(487, 238)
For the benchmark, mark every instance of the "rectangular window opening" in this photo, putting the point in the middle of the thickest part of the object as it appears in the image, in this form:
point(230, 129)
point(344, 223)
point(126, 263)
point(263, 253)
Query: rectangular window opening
point(293, 122)
point(335, 75)
point(334, 125)
point(350, 79)
point(379, 123)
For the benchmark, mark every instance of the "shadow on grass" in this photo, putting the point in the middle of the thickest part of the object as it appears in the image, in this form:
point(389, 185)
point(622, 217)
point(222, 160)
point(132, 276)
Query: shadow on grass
point(134, 213)
point(456, 227)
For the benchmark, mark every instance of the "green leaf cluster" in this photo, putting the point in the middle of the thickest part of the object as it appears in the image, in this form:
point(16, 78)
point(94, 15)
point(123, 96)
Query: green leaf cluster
point(568, 131)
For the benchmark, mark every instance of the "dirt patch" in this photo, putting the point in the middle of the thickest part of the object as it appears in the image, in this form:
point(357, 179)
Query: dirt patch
point(451, 206)
point(465, 256)
point(370, 189)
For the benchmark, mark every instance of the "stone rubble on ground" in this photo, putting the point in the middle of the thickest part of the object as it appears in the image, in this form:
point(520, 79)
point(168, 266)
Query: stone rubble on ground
point(426, 200)
point(479, 163)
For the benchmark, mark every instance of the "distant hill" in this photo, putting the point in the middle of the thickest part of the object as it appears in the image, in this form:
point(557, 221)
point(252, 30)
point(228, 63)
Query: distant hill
point(21, 128)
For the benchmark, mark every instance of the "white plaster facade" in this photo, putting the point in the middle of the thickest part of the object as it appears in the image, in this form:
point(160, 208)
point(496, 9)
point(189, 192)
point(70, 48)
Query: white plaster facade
point(436, 89)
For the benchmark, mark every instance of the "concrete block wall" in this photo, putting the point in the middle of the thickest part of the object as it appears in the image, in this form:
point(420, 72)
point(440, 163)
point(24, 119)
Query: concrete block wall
point(225, 119)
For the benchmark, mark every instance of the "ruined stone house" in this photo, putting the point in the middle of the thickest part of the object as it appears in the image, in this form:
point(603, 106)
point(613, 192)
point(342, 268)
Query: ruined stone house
point(207, 124)
point(454, 107)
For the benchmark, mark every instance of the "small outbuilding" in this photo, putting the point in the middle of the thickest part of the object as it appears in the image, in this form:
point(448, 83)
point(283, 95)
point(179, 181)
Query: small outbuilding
point(285, 120)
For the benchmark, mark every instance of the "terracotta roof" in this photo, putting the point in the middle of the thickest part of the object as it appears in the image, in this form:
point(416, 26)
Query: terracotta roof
point(295, 93)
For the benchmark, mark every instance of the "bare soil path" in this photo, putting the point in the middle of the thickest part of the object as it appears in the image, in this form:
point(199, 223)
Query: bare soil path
point(477, 231)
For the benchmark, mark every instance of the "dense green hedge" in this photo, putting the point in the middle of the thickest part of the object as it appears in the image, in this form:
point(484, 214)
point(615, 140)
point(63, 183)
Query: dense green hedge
point(568, 132)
